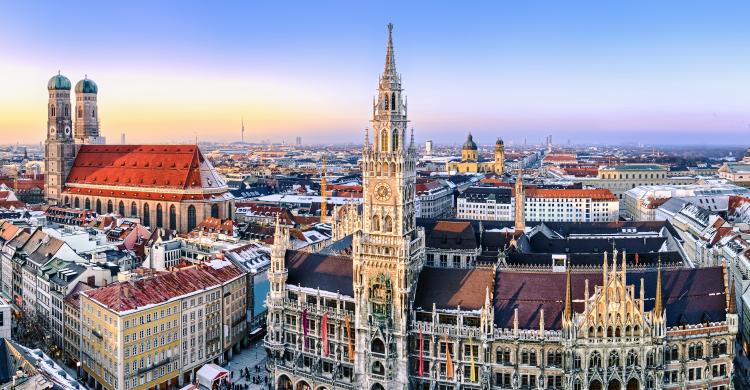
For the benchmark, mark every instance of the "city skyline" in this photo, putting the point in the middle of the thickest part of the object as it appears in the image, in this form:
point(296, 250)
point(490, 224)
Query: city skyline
point(582, 71)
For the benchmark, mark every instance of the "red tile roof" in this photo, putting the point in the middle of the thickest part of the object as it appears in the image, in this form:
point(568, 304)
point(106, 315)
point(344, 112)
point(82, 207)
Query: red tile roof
point(593, 193)
point(125, 296)
point(163, 166)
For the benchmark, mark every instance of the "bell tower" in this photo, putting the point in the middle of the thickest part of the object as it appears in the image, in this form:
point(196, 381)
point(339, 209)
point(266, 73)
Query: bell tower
point(59, 148)
point(388, 252)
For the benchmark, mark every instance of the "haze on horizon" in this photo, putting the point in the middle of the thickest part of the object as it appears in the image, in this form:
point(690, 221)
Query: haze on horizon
point(667, 72)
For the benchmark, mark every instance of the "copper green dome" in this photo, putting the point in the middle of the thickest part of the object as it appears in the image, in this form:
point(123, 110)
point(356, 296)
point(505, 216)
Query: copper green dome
point(58, 81)
point(469, 144)
point(86, 86)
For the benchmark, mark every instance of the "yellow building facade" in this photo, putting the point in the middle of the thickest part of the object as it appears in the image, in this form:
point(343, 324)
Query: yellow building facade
point(470, 162)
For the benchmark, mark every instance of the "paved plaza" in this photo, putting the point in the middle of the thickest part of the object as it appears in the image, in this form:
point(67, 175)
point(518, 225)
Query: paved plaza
point(250, 358)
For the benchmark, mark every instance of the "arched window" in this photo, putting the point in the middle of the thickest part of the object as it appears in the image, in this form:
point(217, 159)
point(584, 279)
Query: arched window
point(377, 346)
point(80, 112)
point(87, 204)
point(93, 112)
point(632, 358)
point(215, 210)
point(159, 216)
point(395, 139)
point(110, 207)
point(385, 102)
point(384, 140)
point(388, 224)
point(98, 206)
point(133, 210)
point(76, 203)
point(66, 201)
point(393, 101)
point(671, 353)
point(502, 355)
point(146, 220)
point(378, 369)
point(52, 110)
point(375, 222)
point(121, 209)
point(191, 218)
point(172, 218)
point(595, 361)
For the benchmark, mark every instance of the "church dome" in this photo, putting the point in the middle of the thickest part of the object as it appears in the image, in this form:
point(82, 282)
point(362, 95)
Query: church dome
point(86, 86)
point(58, 81)
point(469, 144)
point(499, 142)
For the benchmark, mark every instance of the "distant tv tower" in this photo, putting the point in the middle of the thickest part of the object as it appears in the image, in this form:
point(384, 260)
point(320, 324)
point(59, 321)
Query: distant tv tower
point(243, 130)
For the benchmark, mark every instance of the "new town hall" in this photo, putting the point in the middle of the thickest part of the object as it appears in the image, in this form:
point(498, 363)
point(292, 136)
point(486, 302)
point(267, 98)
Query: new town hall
point(377, 310)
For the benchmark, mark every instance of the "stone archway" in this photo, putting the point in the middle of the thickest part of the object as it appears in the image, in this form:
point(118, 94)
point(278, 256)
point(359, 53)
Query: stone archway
point(284, 383)
point(377, 386)
point(614, 384)
point(595, 385)
point(632, 384)
point(302, 385)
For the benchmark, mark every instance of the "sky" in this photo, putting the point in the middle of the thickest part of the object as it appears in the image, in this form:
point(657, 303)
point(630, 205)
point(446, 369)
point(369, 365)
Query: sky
point(672, 72)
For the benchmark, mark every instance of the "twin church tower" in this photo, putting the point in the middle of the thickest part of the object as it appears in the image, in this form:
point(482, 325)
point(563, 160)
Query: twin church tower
point(67, 129)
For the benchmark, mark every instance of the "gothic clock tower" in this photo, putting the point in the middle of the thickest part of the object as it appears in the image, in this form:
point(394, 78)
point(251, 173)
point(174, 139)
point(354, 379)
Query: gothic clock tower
point(389, 250)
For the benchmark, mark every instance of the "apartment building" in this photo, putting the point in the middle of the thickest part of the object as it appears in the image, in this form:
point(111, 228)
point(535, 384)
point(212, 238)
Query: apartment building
point(156, 331)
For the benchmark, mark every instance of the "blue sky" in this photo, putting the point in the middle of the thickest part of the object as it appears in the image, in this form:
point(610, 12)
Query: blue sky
point(666, 71)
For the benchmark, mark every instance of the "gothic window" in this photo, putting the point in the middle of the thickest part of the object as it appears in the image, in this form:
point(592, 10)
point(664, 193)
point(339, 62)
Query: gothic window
point(121, 209)
point(388, 224)
point(502, 355)
point(554, 358)
point(375, 222)
point(695, 351)
point(52, 110)
point(110, 207)
point(87, 204)
point(671, 353)
point(393, 168)
point(384, 140)
point(649, 382)
point(80, 112)
point(381, 296)
point(576, 360)
point(146, 215)
point(609, 331)
point(632, 359)
point(385, 102)
point(378, 369)
point(76, 203)
point(377, 346)
point(172, 218)
point(191, 218)
point(595, 361)
point(393, 101)
point(395, 139)
point(215, 210)
point(93, 112)
point(159, 216)
point(133, 210)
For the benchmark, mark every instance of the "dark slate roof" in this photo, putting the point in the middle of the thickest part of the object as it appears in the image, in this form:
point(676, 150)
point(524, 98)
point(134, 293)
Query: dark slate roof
point(689, 295)
point(452, 235)
point(540, 243)
point(484, 194)
point(449, 288)
point(650, 259)
point(314, 270)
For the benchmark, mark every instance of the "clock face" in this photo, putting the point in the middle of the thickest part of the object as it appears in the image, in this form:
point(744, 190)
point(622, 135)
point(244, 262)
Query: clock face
point(382, 192)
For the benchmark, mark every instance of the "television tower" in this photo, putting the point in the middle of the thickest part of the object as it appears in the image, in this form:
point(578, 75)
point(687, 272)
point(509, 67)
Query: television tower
point(243, 130)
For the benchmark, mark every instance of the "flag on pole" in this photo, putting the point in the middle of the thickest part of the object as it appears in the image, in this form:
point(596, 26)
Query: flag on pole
point(324, 333)
point(471, 349)
point(304, 327)
point(448, 360)
point(421, 363)
point(349, 337)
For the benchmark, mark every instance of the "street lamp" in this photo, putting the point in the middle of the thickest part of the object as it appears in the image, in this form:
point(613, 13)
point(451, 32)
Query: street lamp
point(78, 369)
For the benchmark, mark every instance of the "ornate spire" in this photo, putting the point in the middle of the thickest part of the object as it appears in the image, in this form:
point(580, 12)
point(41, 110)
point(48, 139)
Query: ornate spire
point(568, 296)
point(731, 305)
point(658, 307)
point(390, 60)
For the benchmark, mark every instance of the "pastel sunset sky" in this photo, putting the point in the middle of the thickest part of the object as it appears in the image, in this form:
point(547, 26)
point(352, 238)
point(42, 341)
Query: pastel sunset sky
point(599, 71)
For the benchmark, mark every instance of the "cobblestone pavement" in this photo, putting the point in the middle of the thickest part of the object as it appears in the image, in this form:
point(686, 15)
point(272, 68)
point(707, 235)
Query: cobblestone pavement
point(250, 357)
